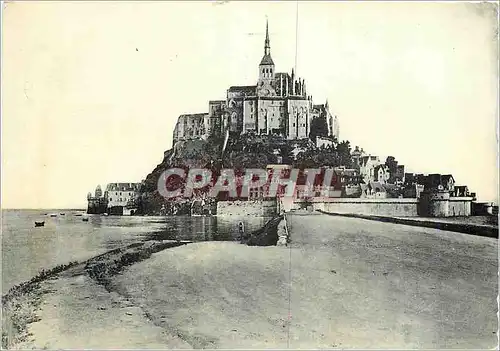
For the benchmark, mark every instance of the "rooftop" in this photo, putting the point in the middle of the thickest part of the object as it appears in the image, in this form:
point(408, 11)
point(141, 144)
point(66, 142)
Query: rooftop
point(267, 60)
point(243, 88)
point(123, 186)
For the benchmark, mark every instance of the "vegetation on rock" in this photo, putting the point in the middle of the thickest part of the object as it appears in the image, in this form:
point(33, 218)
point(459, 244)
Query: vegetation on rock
point(242, 152)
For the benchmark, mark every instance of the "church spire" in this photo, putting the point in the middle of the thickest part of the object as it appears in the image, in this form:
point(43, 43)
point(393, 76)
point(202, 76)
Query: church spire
point(267, 46)
point(266, 59)
point(266, 66)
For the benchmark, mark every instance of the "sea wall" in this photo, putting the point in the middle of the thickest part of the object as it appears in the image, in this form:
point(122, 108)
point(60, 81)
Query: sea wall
point(434, 204)
point(459, 227)
point(266, 208)
point(482, 208)
point(441, 204)
point(460, 206)
point(383, 207)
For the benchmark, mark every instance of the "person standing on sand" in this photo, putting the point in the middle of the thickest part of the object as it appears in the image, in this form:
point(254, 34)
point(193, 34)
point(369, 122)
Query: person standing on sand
point(241, 229)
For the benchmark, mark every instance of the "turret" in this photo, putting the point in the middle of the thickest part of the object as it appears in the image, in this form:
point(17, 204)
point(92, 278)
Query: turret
point(98, 191)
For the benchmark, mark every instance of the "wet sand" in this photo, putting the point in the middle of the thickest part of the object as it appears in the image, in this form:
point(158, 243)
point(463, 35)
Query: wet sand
point(342, 283)
point(80, 314)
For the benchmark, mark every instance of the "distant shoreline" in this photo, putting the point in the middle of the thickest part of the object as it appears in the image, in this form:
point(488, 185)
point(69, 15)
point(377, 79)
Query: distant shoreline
point(44, 209)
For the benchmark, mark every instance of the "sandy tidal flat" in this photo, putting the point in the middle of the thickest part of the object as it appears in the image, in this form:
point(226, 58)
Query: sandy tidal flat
point(342, 283)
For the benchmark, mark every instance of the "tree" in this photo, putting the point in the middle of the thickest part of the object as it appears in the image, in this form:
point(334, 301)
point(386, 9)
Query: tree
point(319, 127)
point(392, 164)
point(286, 152)
point(316, 158)
point(344, 153)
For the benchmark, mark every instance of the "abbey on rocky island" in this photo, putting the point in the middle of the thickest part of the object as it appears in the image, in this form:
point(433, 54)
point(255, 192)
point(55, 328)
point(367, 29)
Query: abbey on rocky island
point(278, 104)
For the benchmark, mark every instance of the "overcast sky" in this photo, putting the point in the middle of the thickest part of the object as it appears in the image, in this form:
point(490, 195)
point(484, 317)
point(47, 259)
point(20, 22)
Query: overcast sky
point(92, 90)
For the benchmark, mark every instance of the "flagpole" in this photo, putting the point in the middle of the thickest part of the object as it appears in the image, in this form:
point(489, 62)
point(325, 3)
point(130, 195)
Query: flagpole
point(296, 36)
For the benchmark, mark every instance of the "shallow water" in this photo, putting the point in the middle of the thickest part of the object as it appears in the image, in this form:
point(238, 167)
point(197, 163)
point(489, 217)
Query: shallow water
point(27, 249)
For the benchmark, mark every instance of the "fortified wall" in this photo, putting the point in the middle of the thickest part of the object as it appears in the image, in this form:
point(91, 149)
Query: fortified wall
point(430, 204)
point(261, 208)
point(441, 204)
point(383, 207)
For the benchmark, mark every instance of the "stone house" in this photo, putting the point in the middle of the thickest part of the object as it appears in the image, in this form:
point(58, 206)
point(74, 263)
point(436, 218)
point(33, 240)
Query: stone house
point(381, 174)
point(120, 196)
point(393, 190)
point(399, 177)
point(367, 166)
point(356, 155)
point(460, 191)
point(439, 182)
point(346, 181)
point(373, 190)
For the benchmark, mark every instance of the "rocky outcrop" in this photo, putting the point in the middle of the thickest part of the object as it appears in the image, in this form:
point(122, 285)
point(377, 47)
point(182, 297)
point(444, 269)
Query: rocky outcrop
point(185, 154)
point(242, 152)
point(102, 268)
point(266, 236)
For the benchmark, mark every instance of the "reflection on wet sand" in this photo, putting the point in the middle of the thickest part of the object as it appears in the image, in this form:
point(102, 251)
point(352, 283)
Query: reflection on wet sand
point(208, 228)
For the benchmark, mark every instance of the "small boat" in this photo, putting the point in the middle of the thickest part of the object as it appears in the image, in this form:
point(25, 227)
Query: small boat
point(39, 224)
point(85, 219)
